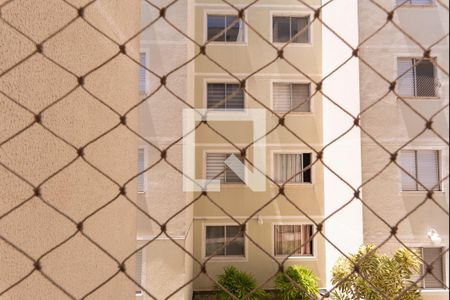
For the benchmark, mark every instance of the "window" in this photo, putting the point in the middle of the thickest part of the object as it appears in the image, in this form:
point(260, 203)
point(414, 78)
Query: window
point(432, 257)
point(218, 170)
point(290, 238)
point(287, 28)
point(418, 78)
point(139, 270)
point(423, 165)
point(218, 236)
point(291, 97)
point(142, 73)
point(414, 2)
point(225, 28)
point(290, 168)
point(141, 168)
point(225, 96)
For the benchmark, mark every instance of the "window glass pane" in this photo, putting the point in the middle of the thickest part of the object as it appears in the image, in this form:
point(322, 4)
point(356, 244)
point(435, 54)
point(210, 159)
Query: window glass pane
point(237, 246)
point(300, 25)
point(288, 167)
point(300, 98)
point(235, 97)
point(425, 78)
point(141, 168)
point(421, 2)
point(406, 82)
point(408, 162)
point(216, 24)
point(293, 240)
point(433, 257)
point(142, 73)
point(306, 162)
point(236, 32)
point(215, 240)
point(415, 2)
point(138, 271)
point(281, 29)
point(234, 174)
point(281, 97)
point(428, 169)
point(216, 95)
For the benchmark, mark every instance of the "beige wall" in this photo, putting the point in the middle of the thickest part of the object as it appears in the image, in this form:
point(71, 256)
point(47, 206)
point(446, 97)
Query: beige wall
point(77, 265)
point(383, 194)
point(239, 200)
point(256, 261)
point(166, 267)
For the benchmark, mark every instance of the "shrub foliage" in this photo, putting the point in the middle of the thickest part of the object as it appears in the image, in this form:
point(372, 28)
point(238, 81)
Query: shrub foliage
point(238, 283)
point(297, 283)
point(389, 276)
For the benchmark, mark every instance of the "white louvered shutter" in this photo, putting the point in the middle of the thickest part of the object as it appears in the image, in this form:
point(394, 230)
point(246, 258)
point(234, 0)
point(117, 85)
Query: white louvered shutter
point(408, 162)
point(215, 166)
point(141, 168)
point(139, 271)
point(142, 73)
point(281, 97)
point(428, 169)
point(429, 256)
point(406, 83)
point(300, 98)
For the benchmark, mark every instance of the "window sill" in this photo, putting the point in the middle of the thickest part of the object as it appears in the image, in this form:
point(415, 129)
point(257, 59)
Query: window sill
point(434, 291)
point(227, 259)
point(422, 192)
point(304, 258)
point(409, 98)
point(294, 114)
point(300, 45)
point(294, 184)
point(227, 44)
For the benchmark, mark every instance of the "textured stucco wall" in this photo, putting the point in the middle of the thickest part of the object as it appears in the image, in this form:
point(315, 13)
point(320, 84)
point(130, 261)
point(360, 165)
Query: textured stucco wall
point(167, 268)
point(77, 265)
point(394, 124)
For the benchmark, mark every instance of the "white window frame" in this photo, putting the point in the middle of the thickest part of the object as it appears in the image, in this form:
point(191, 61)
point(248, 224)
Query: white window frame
point(147, 64)
point(292, 184)
point(227, 80)
point(143, 273)
point(224, 258)
point(441, 169)
point(311, 113)
point(294, 257)
point(411, 56)
point(144, 148)
point(420, 246)
point(298, 13)
point(217, 151)
point(223, 12)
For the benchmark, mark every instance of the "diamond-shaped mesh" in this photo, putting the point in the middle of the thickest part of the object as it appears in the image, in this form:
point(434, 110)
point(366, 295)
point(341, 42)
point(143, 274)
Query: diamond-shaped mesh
point(92, 73)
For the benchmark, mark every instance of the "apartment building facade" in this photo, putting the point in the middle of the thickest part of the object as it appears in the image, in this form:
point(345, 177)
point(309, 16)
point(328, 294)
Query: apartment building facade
point(277, 86)
point(421, 95)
